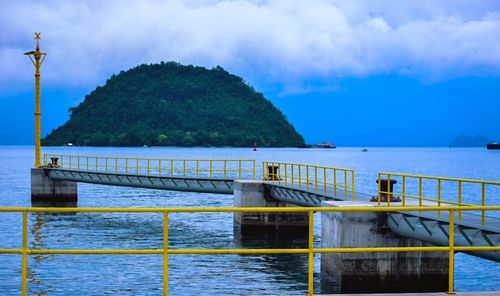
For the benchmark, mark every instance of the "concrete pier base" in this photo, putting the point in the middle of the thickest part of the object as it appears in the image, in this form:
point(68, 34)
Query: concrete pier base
point(252, 193)
point(375, 272)
point(47, 191)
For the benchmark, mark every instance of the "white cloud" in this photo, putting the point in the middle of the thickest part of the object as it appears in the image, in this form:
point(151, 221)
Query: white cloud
point(279, 42)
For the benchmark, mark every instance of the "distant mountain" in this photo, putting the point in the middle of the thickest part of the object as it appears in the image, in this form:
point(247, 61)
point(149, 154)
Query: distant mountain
point(169, 104)
point(469, 141)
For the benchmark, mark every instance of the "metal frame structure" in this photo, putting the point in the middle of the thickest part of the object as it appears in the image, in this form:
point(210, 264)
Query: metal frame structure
point(451, 248)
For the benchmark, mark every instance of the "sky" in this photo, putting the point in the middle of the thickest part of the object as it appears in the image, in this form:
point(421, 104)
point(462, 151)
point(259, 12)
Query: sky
point(357, 73)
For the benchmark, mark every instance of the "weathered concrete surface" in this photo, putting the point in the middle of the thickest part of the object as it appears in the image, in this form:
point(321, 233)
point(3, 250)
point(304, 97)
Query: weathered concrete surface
point(252, 193)
point(49, 191)
point(375, 272)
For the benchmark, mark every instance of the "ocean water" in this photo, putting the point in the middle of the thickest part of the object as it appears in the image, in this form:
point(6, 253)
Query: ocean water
point(199, 274)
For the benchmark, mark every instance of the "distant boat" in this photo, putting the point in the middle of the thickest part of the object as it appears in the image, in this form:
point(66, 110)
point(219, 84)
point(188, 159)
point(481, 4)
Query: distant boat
point(493, 146)
point(320, 145)
point(364, 150)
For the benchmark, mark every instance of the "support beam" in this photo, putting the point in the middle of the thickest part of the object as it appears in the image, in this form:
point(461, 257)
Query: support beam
point(252, 193)
point(45, 190)
point(375, 272)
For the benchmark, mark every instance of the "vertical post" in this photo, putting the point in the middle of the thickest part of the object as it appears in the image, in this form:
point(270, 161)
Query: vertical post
point(353, 193)
point(96, 163)
point(483, 201)
point(239, 168)
point(389, 191)
point(307, 177)
point(345, 184)
point(159, 167)
point(184, 167)
point(87, 162)
point(379, 195)
point(38, 57)
point(126, 165)
point(310, 274)
point(460, 200)
point(106, 159)
point(197, 168)
point(116, 165)
point(419, 191)
point(171, 167)
point(300, 176)
point(137, 166)
point(45, 159)
point(78, 159)
point(286, 174)
point(254, 172)
point(210, 169)
point(324, 180)
point(451, 267)
point(293, 181)
point(404, 191)
point(24, 272)
point(315, 178)
point(335, 181)
point(439, 197)
point(165, 253)
point(148, 164)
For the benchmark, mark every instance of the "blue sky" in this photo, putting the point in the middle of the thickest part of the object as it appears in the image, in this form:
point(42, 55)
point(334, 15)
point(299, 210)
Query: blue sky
point(358, 73)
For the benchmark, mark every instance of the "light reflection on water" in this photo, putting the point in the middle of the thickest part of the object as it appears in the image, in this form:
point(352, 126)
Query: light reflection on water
point(197, 274)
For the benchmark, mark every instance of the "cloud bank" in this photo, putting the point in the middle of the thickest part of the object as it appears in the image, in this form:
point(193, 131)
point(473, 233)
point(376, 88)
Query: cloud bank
point(280, 42)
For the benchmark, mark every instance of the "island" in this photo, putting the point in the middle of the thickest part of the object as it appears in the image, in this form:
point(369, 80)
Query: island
point(170, 104)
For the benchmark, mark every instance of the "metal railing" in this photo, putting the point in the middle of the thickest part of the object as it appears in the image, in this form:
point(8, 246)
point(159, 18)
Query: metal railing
point(435, 191)
point(320, 179)
point(209, 168)
point(166, 251)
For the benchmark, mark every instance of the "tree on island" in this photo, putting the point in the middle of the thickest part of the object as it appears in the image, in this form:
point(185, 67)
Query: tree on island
point(169, 104)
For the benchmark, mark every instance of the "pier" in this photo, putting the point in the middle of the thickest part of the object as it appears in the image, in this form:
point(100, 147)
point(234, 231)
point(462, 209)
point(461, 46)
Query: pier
point(393, 241)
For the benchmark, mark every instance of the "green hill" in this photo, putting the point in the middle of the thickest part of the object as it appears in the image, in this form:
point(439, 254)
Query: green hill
point(169, 104)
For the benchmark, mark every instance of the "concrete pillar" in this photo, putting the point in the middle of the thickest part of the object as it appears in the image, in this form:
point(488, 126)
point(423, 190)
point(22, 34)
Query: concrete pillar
point(252, 193)
point(45, 190)
point(395, 272)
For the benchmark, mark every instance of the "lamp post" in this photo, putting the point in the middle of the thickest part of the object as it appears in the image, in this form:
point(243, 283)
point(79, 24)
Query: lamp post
point(37, 57)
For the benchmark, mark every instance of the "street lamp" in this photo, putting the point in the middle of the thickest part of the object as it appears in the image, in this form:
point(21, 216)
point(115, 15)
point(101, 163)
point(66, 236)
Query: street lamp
point(37, 57)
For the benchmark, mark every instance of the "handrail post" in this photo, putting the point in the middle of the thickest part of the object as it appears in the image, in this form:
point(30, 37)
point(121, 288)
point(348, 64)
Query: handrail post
point(70, 162)
point(345, 184)
point(316, 178)
point(324, 180)
point(165, 253)
point(184, 167)
point(116, 165)
point(404, 190)
point(293, 181)
point(254, 170)
point(96, 163)
point(379, 195)
point(171, 167)
point(307, 177)
point(335, 181)
point(310, 274)
point(78, 159)
point(197, 168)
point(210, 169)
point(483, 201)
point(419, 191)
point(460, 200)
point(137, 166)
point(126, 165)
point(159, 167)
point(439, 196)
point(24, 268)
point(87, 163)
point(451, 254)
point(148, 165)
point(353, 193)
point(300, 176)
point(389, 191)
point(106, 159)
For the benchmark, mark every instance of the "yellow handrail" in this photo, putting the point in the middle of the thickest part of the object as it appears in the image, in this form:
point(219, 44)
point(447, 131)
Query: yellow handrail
point(320, 179)
point(452, 198)
point(217, 168)
point(311, 250)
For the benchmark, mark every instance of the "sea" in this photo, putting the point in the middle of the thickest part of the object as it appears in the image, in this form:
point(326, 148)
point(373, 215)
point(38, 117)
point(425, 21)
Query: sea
point(199, 274)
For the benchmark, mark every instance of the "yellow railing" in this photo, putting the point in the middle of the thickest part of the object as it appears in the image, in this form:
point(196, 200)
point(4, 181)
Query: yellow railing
point(321, 179)
point(310, 250)
point(211, 168)
point(436, 191)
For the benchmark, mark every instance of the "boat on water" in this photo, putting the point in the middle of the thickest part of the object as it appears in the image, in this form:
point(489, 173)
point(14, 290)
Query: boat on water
point(493, 146)
point(320, 145)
